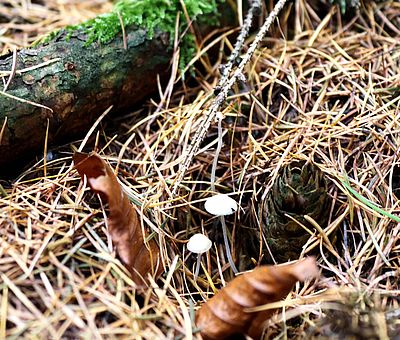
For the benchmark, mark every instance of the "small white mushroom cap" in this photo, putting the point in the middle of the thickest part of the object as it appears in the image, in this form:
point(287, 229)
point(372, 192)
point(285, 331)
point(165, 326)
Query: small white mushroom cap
point(220, 204)
point(199, 244)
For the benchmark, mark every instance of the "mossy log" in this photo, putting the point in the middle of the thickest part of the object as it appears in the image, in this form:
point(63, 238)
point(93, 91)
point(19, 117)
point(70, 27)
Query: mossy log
point(75, 83)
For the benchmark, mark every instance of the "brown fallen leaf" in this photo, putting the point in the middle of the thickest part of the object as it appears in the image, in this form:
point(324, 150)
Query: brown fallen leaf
point(224, 314)
point(124, 227)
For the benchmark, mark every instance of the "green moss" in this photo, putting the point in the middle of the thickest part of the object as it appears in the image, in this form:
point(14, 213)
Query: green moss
point(148, 14)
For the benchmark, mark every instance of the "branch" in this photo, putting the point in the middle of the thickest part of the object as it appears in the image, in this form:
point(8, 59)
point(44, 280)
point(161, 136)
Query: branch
point(221, 97)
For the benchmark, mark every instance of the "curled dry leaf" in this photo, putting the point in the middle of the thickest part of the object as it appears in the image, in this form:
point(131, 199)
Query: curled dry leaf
point(224, 315)
point(124, 227)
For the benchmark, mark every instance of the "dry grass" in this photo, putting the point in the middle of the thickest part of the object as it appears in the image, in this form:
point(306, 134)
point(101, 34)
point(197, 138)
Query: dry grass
point(24, 21)
point(329, 96)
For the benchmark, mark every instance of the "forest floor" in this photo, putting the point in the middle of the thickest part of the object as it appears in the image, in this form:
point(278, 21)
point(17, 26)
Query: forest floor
point(323, 89)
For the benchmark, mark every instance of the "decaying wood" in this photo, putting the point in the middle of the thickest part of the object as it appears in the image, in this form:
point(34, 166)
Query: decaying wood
point(73, 84)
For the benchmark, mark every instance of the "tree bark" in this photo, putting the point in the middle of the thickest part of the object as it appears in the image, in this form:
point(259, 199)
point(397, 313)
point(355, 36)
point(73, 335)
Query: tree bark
point(78, 86)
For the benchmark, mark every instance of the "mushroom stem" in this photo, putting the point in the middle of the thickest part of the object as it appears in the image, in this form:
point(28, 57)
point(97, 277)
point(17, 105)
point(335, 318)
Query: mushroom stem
point(221, 218)
point(227, 247)
point(196, 271)
point(217, 152)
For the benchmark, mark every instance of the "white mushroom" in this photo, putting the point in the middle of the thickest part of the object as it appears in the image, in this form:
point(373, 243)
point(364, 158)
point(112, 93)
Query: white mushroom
point(221, 205)
point(198, 244)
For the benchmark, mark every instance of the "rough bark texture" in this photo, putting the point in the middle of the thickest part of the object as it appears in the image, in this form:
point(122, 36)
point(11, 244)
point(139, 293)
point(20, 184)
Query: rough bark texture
point(78, 87)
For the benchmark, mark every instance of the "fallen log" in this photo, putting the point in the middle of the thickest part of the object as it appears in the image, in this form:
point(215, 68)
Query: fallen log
point(64, 85)
point(55, 91)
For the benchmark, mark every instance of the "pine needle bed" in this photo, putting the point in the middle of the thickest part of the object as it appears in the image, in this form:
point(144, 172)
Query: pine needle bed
point(327, 95)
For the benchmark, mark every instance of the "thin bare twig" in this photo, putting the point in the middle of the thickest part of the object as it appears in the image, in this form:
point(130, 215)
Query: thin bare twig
point(221, 97)
point(244, 32)
point(13, 69)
